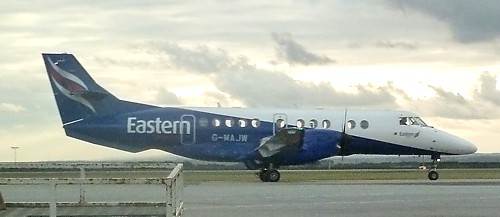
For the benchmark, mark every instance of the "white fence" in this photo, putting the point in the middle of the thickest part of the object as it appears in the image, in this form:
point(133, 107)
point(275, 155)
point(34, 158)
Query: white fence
point(174, 185)
point(175, 191)
point(86, 165)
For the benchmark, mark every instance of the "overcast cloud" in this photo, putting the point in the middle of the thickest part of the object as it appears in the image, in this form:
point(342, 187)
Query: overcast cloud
point(439, 59)
point(396, 45)
point(255, 87)
point(488, 90)
point(292, 52)
point(469, 21)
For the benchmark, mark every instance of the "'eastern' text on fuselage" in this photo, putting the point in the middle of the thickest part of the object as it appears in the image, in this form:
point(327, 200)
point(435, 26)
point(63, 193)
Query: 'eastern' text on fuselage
point(135, 125)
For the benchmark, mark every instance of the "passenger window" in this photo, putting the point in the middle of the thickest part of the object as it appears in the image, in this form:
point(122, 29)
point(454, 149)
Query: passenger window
point(242, 123)
point(203, 122)
point(313, 123)
point(280, 123)
point(229, 122)
point(326, 124)
point(351, 124)
point(216, 122)
point(364, 124)
point(255, 123)
point(301, 123)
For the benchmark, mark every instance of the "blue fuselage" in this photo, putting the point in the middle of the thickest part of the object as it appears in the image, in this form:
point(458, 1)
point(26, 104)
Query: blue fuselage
point(209, 136)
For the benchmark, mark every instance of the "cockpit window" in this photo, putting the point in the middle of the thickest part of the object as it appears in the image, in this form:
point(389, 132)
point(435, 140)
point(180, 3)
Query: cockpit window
point(411, 121)
point(403, 121)
point(419, 121)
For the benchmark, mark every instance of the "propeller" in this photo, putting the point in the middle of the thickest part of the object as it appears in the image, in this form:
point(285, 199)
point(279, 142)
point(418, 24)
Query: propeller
point(345, 138)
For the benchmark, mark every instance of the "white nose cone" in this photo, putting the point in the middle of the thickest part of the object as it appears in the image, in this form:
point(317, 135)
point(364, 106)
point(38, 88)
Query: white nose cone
point(451, 144)
point(460, 146)
point(468, 147)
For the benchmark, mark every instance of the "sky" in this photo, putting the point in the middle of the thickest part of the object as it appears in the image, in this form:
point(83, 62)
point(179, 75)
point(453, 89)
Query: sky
point(439, 59)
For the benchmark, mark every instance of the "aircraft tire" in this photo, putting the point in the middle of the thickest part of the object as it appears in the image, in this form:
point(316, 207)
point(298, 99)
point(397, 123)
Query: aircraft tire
point(433, 175)
point(273, 176)
point(263, 175)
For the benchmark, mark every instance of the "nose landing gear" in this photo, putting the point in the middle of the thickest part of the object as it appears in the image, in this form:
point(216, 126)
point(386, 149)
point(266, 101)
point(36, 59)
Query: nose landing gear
point(433, 174)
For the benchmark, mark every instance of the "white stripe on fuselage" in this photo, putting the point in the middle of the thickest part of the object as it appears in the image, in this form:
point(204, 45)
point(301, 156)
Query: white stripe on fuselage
point(383, 125)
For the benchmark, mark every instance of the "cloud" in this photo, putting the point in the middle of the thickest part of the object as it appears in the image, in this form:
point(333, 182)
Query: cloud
point(256, 87)
point(484, 103)
point(200, 59)
point(469, 21)
point(450, 97)
point(396, 44)
point(11, 108)
point(294, 53)
point(164, 96)
point(451, 105)
point(488, 90)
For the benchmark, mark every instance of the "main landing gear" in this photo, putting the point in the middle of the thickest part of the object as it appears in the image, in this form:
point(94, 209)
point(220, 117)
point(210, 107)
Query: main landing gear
point(269, 174)
point(433, 174)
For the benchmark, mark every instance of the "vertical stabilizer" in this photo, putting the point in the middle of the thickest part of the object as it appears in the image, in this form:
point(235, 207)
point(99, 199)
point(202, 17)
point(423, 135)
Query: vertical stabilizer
point(77, 95)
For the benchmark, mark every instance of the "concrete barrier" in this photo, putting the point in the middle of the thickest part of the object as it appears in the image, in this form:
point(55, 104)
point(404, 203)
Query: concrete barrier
point(2, 203)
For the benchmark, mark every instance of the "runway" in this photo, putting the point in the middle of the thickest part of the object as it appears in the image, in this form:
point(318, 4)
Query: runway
point(333, 199)
point(337, 198)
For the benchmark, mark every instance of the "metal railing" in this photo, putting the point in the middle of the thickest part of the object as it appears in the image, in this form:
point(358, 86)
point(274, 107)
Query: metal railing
point(175, 191)
point(174, 185)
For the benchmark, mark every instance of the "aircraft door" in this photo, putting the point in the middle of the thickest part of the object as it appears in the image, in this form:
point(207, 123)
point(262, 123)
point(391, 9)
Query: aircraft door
point(279, 122)
point(188, 129)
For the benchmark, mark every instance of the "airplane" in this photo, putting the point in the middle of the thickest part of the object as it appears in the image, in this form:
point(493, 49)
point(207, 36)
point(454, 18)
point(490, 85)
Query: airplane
point(262, 139)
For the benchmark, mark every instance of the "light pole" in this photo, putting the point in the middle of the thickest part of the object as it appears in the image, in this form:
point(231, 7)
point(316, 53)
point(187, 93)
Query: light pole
point(15, 152)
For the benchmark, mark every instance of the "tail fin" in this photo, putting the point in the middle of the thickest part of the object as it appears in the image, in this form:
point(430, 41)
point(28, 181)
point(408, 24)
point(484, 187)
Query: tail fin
point(77, 95)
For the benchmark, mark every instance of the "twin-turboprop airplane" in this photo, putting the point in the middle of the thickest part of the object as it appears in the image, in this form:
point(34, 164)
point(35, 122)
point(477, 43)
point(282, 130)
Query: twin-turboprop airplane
point(262, 139)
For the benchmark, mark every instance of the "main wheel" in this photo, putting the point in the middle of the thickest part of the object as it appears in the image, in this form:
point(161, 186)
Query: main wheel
point(263, 176)
point(433, 175)
point(273, 176)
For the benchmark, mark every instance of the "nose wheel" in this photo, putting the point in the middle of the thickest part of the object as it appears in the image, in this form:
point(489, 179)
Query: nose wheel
point(433, 174)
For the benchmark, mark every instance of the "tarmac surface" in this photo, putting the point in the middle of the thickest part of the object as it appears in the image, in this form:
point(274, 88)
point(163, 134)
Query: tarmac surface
point(347, 199)
point(339, 198)
point(336, 198)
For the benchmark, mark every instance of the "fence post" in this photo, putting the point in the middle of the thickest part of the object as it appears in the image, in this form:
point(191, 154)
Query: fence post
point(82, 186)
point(3, 206)
point(53, 201)
point(174, 190)
point(169, 205)
point(181, 191)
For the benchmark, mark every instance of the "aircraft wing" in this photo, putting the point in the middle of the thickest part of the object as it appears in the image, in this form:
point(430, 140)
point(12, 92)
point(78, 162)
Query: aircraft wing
point(290, 139)
point(298, 146)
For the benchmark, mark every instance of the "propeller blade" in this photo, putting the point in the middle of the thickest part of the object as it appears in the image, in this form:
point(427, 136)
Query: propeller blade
point(345, 121)
point(343, 139)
